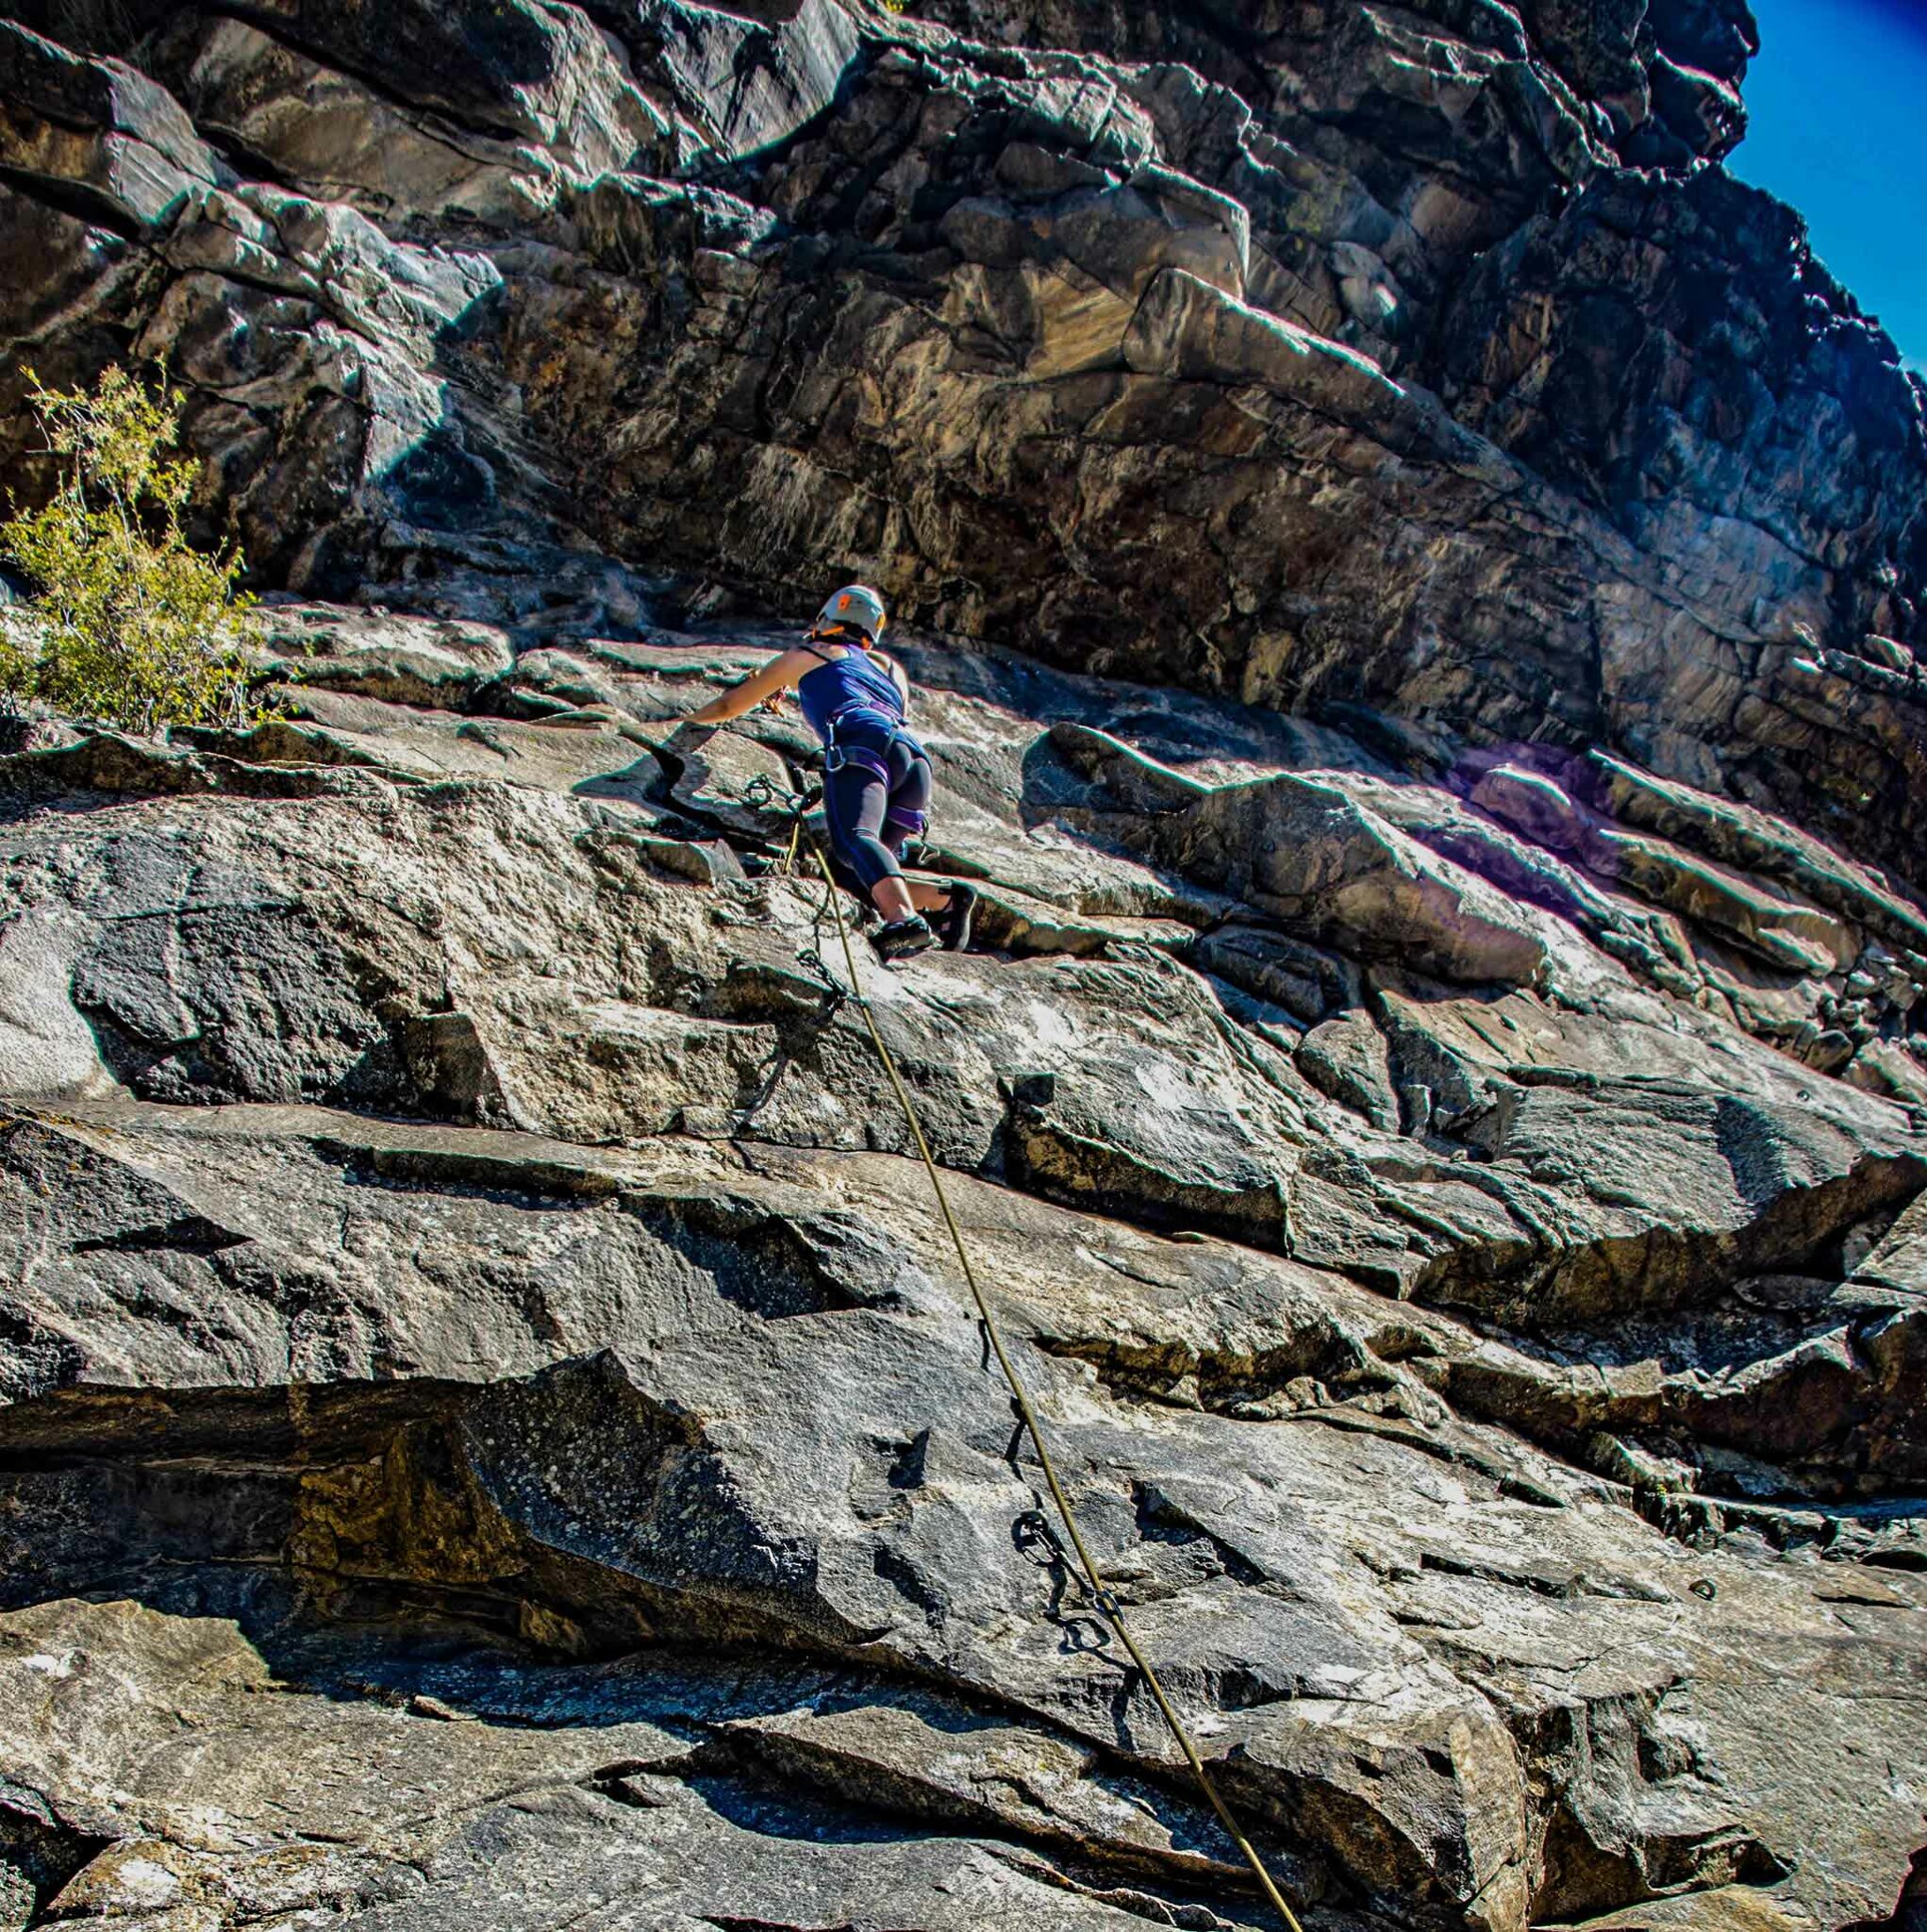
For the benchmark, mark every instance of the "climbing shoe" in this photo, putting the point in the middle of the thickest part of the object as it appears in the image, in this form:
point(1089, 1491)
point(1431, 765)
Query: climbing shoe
point(953, 923)
point(903, 939)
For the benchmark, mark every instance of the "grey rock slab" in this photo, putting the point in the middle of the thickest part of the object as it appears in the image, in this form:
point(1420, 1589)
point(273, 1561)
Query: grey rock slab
point(733, 779)
point(47, 1047)
point(1899, 1258)
point(1742, 836)
point(1014, 923)
point(1306, 981)
point(100, 130)
point(826, 1577)
point(1247, 1549)
point(59, 266)
point(327, 933)
point(597, 757)
point(210, 1792)
point(378, 654)
point(747, 83)
point(1785, 934)
point(544, 76)
point(1307, 854)
point(341, 137)
point(315, 948)
point(1345, 1057)
point(1791, 934)
point(940, 1760)
point(1879, 1066)
point(587, 1018)
point(1567, 1079)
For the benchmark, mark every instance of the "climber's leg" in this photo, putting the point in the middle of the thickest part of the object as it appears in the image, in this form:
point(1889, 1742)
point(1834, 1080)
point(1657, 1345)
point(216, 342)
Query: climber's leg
point(855, 803)
point(911, 786)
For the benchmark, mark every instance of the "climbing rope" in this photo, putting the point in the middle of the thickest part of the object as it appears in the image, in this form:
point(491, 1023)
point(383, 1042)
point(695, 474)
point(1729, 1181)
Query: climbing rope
point(1112, 1611)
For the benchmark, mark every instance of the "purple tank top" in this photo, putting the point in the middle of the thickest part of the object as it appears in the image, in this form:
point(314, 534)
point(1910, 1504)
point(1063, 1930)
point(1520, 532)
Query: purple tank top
point(854, 683)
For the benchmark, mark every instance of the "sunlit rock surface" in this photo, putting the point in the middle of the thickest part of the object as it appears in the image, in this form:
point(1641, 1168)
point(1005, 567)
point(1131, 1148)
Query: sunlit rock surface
point(1412, 578)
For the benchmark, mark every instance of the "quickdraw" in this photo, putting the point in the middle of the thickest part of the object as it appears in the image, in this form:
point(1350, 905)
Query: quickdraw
point(760, 794)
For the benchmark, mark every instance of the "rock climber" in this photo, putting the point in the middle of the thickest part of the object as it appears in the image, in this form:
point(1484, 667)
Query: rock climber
point(876, 777)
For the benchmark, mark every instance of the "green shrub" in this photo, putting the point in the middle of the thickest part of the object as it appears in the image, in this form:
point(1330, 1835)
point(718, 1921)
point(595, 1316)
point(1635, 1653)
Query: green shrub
point(128, 623)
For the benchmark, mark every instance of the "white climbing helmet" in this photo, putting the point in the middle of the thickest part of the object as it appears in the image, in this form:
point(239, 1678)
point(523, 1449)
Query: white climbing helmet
point(858, 605)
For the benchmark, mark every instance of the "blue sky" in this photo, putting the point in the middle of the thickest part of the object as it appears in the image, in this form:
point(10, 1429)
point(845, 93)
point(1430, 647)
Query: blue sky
point(1837, 102)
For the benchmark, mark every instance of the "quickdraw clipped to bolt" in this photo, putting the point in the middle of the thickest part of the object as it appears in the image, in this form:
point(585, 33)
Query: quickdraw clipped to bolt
point(834, 991)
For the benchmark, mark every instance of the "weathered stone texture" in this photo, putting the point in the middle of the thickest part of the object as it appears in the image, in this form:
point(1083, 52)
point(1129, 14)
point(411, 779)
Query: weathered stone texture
point(491, 1431)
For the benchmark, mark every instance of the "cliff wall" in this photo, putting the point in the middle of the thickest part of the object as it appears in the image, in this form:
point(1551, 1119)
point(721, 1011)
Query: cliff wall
point(1413, 576)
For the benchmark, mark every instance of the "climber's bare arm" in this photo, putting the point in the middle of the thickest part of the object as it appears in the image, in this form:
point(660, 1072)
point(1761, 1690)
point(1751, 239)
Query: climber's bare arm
point(779, 674)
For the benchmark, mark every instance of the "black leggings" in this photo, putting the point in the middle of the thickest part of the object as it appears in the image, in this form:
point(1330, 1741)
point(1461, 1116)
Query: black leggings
point(870, 822)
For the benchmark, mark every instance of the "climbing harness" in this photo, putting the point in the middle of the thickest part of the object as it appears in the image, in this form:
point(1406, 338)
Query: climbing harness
point(1102, 1599)
point(873, 758)
point(837, 756)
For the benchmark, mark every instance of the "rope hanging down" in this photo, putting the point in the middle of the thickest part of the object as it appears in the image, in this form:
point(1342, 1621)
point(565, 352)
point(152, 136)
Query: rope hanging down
point(1102, 1598)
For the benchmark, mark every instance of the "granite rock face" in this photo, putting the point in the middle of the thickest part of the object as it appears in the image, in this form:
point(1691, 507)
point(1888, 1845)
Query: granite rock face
point(491, 1410)
point(1412, 576)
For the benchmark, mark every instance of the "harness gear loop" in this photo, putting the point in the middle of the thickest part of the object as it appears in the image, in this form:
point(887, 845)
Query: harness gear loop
point(1100, 1596)
point(837, 756)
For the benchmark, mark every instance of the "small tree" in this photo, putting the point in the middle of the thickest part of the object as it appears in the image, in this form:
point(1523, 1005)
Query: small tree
point(130, 625)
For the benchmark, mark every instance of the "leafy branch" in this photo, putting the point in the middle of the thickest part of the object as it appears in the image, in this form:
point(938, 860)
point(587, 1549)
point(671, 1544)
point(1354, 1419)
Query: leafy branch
point(128, 622)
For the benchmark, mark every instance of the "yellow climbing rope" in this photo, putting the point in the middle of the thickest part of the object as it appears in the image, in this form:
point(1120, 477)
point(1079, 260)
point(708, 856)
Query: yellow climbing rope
point(1112, 1611)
